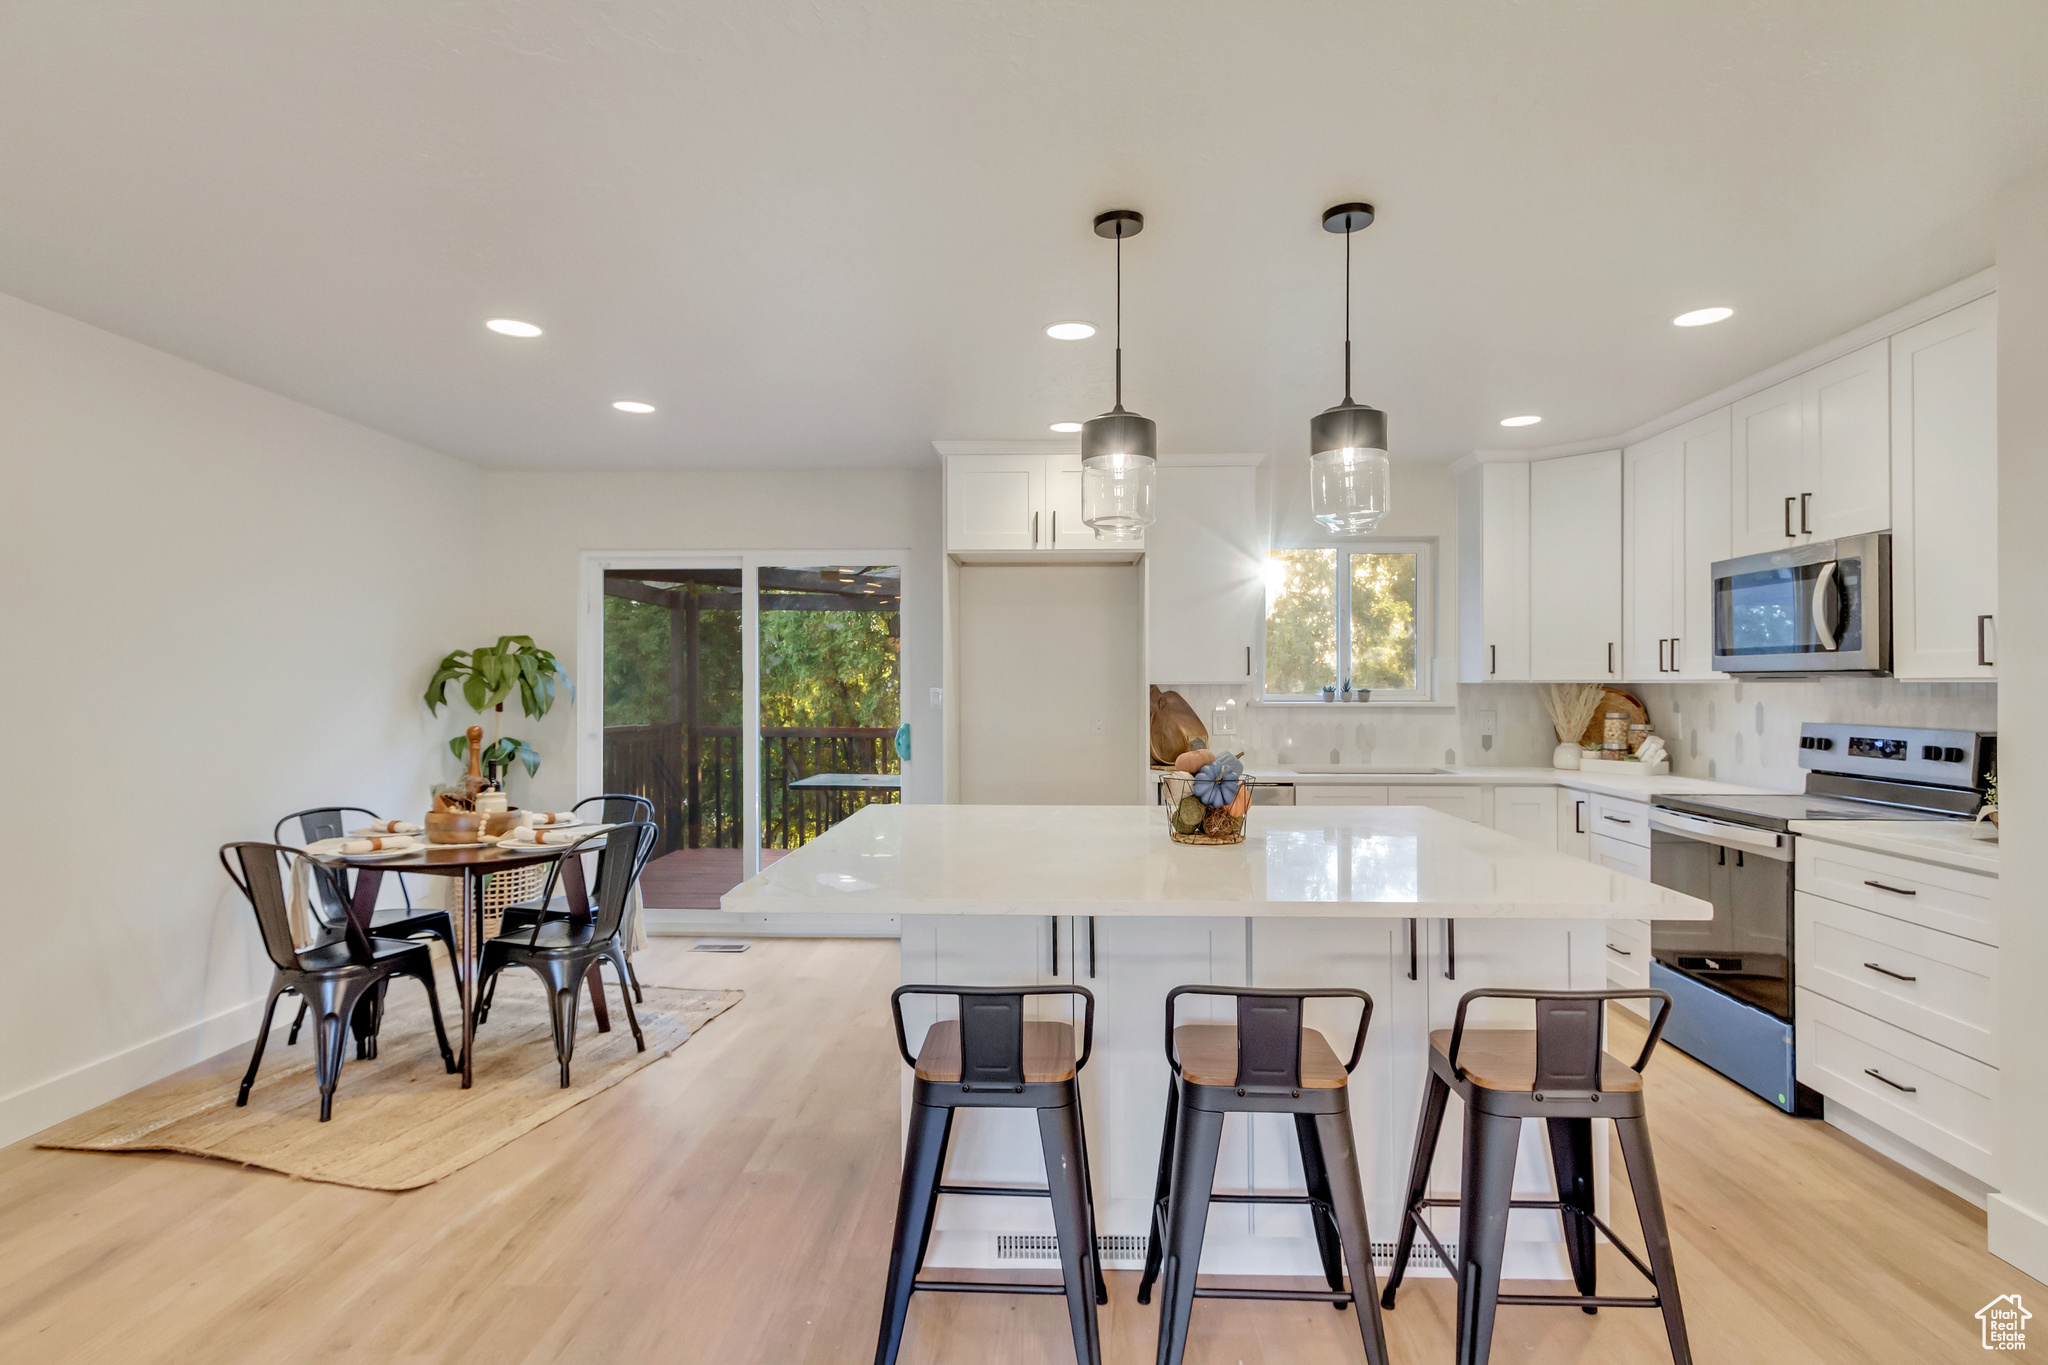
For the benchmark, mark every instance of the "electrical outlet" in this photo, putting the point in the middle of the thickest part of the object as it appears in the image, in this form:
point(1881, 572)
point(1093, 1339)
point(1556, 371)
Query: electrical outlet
point(1487, 721)
point(938, 698)
point(1101, 725)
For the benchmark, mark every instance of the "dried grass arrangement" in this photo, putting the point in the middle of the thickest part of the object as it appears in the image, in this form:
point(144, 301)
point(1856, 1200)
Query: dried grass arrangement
point(1571, 707)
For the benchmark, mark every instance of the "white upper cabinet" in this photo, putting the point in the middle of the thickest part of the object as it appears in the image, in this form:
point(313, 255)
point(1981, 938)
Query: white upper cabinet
point(1205, 575)
point(1812, 456)
point(1027, 502)
point(1575, 568)
point(1493, 574)
point(1675, 519)
point(1944, 480)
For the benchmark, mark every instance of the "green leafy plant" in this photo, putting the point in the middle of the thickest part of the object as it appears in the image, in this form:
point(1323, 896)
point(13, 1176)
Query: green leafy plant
point(489, 676)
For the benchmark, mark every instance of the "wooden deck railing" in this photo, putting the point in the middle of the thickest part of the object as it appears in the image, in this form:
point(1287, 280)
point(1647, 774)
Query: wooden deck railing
point(654, 761)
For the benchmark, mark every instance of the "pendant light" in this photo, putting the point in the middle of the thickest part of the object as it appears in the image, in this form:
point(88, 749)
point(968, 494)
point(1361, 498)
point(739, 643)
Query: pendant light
point(1119, 450)
point(1349, 476)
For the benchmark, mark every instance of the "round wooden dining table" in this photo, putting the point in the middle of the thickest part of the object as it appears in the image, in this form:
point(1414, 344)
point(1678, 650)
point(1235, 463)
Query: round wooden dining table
point(471, 864)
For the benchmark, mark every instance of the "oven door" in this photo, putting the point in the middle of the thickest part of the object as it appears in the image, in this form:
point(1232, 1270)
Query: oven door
point(1815, 609)
point(1745, 873)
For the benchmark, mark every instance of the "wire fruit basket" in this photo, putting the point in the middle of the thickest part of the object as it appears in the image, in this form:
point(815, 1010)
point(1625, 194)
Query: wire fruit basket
point(1218, 825)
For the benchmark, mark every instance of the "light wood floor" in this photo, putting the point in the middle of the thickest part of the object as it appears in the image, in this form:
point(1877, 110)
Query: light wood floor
point(733, 1204)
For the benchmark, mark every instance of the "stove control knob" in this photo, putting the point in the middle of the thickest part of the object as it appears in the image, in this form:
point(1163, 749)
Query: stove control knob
point(1806, 741)
point(1931, 752)
point(1823, 742)
point(1952, 755)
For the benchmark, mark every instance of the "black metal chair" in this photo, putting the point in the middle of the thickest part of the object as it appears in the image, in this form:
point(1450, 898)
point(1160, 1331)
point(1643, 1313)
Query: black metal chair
point(619, 808)
point(330, 911)
point(1560, 1073)
point(991, 1058)
point(561, 951)
point(332, 976)
point(1265, 1063)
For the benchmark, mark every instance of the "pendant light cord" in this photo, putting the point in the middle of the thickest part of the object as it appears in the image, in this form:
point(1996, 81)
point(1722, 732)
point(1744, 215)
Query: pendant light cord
point(1347, 318)
point(1119, 319)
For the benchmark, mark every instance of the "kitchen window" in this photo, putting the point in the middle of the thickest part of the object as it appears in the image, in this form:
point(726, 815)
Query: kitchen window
point(1357, 617)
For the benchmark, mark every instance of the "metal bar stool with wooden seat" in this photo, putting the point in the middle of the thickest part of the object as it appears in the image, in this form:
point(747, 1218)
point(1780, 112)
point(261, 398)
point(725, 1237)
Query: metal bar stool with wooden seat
point(991, 1057)
point(1265, 1063)
point(1560, 1073)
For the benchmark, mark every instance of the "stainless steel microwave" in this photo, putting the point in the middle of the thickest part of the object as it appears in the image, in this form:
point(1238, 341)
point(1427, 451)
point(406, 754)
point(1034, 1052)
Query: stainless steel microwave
point(1807, 611)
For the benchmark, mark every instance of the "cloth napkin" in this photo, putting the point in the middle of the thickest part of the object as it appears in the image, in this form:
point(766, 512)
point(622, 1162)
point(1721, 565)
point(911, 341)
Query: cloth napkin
point(369, 843)
point(528, 836)
point(377, 827)
point(1651, 751)
point(541, 818)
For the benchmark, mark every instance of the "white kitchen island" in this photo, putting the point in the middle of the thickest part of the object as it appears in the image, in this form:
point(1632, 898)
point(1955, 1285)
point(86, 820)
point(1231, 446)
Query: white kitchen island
point(1411, 905)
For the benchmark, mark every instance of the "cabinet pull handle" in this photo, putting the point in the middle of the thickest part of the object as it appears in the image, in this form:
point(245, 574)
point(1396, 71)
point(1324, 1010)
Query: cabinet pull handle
point(1091, 947)
point(1054, 922)
point(1660, 656)
point(1804, 529)
point(1674, 655)
point(1886, 971)
point(1790, 534)
point(1616, 819)
point(1247, 661)
point(1034, 530)
point(1492, 659)
point(1055, 529)
point(1873, 1071)
point(1895, 890)
point(1610, 657)
point(1412, 931)
point(1623, 951)
point(1980, 642)
point(1450, 950)
point(1578, 817)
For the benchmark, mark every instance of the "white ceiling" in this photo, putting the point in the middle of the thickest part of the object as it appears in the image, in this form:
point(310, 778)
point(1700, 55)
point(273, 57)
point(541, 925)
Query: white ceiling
point(822, 234)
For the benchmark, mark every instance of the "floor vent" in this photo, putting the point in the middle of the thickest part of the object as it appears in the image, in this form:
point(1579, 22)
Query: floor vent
point(1419, 1255)
point(1119, 1249)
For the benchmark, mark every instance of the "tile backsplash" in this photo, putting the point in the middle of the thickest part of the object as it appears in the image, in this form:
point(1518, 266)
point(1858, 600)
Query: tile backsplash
point(1742, 732)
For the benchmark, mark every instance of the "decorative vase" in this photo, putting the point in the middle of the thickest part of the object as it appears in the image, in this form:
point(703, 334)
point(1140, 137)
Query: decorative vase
point(1565, 755)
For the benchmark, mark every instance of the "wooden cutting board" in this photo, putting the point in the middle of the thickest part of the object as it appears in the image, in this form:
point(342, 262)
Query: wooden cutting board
point(1614, 699)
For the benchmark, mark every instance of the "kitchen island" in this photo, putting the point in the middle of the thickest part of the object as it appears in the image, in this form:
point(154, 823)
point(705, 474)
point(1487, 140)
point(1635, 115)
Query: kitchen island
point(1411, 905)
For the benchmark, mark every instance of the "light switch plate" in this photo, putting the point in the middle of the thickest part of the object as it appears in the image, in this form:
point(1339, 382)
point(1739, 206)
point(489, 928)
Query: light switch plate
point(938, 698)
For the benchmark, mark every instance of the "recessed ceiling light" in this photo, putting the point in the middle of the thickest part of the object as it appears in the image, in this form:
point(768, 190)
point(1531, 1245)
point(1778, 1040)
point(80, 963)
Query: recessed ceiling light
point(1070, 331)
point(629, 405)
point(512, 327)
point(1700, 317)
point(1527, 420)
point(1066, 427)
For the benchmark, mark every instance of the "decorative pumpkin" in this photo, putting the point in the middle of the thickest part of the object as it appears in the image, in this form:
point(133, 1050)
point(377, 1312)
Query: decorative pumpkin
point(1194, 760)
point(1216, 786)
point(1188, 815)
point(1243, 803)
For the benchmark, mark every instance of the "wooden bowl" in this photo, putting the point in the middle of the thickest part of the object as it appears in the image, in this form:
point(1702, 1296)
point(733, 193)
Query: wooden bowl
point(453, 826)
point(499, 822)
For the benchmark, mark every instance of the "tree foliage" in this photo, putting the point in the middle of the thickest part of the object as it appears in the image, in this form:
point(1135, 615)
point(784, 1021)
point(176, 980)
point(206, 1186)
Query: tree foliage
point(1302, 638)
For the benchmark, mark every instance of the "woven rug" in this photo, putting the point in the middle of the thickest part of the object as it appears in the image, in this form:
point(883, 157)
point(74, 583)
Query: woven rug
point(400, 1121)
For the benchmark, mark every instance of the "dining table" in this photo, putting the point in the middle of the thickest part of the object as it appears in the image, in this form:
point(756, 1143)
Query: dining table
point(471, 864)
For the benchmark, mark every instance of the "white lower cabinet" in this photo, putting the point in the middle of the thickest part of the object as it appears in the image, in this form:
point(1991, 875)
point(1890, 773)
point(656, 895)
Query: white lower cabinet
point(1527, 813)
point(1937, 1099)
point(1574, 835)
point(1338, 794)
point(1467, 803)
point(1621, 856)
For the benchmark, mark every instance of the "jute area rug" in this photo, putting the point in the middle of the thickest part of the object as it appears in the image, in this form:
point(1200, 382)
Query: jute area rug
point(400, 1120)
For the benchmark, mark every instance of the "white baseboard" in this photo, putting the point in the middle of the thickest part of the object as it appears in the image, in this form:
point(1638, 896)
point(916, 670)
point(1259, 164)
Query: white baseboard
point(2018, 1236)
point(731, 924)
point(1915, 1159)
point(29, 1111)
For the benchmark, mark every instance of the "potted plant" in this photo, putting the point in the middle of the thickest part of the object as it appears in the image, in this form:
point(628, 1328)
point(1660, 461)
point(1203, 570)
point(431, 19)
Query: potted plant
point(489, 676)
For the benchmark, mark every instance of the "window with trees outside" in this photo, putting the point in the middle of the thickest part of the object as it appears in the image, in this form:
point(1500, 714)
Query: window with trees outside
point(1358, 617)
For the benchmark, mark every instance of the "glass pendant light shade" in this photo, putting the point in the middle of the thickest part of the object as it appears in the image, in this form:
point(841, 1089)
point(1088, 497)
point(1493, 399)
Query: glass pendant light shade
point(1119, 449)
point(1350, 481)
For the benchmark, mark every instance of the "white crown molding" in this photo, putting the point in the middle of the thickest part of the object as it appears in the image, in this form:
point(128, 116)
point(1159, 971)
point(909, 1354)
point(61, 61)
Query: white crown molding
point(1966, 290)
point(1058, 447)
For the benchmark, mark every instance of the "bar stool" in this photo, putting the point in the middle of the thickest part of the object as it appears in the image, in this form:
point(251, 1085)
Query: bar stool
point(1265, 1063)
point(1558, 1073)
point(992, 1058)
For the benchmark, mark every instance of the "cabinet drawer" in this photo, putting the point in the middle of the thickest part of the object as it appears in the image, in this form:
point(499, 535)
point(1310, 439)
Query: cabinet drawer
point(1627, 973)
point(1936, 1099)
point(1628, 821)
point(1633, 859)
point(1467, 803)
point(1935, 897)
point(1324, 794)
point(1937, 985)
point(1631, 935)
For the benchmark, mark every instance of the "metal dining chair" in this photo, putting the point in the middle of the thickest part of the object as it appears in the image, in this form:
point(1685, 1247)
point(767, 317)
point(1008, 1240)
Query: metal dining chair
point(330, 909)
point(562, 950)
point(332, 976)
point(617, 808)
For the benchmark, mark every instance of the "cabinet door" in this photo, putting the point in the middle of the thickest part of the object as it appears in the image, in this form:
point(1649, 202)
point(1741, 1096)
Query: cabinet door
point(1848, 423)
point(1574, 835)
point(1205, 575)
point(1467, 803)
point(1653, 553)
point(1945, 495)
point(1768, 468)
point(1706, 540)
point(1493, 574)
point(1527, 813)
point(995, 502)
point(1322, 794)
point(1575, 568)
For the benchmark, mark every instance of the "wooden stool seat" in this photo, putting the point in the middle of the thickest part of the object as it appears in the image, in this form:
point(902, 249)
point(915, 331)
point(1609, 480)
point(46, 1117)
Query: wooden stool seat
point(1048, 1052)
point(1505, 1059)
point(1208, 1056)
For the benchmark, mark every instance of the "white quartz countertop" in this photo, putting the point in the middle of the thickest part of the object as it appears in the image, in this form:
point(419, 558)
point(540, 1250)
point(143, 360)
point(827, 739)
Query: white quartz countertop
point(1950, 843)
point(1614, 784)
point(1339, 861)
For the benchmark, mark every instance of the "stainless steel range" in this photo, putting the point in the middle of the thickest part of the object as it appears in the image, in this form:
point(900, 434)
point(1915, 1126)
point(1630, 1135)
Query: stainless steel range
point(1731, 977)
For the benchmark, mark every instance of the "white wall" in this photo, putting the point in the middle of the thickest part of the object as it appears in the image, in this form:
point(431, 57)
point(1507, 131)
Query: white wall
point(543, 523)
point(2019, 1212)
point(219, 606)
